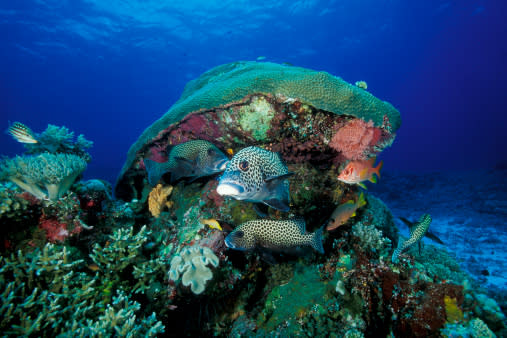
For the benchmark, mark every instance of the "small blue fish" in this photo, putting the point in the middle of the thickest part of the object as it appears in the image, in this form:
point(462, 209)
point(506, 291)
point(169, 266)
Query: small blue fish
point(256, 175)
point(274, 235)
point(195, 159)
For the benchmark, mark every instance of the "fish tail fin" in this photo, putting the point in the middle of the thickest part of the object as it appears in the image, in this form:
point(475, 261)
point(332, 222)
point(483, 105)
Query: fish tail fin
point(376, 170)
point(361, 201)
point(397, 251)
point(154, 170)
point(316, 241)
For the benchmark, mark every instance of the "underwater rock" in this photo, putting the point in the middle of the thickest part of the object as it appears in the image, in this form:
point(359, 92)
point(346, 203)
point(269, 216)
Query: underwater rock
point(290, 110)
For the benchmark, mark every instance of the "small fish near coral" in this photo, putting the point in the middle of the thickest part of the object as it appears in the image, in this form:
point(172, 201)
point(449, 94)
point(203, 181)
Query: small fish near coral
point(344, 212)
point(21, 133)
point(212, 223)
point(194, 159)
point(356, 172)
point(274, 235)
point(417, 232)
point(256, 175)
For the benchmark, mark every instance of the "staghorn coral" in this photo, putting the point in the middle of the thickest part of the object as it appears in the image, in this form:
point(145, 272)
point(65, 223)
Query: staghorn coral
point(157, 199)
point(43, 295)
point(191, 266)
point(59, 140)
point(46, 176)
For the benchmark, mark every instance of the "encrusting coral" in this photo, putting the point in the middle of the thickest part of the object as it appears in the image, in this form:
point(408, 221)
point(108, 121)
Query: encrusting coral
point(157, 199)
point(191, 266)
point(46, 176)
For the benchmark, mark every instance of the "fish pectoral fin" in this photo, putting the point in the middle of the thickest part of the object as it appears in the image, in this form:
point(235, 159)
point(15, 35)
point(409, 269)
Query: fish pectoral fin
point(277, 204)
point(261, 210)
point(278, 177)
point(184, 161)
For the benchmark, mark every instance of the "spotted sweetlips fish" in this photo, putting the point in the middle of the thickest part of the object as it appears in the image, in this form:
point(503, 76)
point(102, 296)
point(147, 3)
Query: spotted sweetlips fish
point(195, 159)
point(256, 175)
point(356, 172)
point(274, 235)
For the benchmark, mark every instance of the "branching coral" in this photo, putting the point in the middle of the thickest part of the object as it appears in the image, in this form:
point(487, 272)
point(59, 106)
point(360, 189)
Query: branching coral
point(46, 176)
point(59, 140)
point(157, 200)
point(43, 295)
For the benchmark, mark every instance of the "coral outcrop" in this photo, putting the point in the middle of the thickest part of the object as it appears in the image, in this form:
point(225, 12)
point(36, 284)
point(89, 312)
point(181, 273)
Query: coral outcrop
point(294, 111)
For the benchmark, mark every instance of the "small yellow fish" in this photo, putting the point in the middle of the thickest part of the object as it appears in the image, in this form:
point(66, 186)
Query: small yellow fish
point(21, 133)
point(230, 151)
point(344, 212)
point(212, 223)
point(94, 267)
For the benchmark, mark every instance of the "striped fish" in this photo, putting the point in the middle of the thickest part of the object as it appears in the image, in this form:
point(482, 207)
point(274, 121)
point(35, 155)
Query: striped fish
point(21, 133)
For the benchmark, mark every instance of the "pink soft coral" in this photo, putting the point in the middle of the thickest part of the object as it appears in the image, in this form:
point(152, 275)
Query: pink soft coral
point(56, 231)
point(355, 139)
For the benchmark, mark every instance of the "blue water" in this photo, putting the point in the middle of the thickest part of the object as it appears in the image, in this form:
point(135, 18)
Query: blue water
point(108, 69)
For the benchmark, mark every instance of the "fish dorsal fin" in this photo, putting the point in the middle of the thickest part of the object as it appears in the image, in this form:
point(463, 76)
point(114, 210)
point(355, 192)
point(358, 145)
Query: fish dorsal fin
point(278, 177)
point(349, 202)
point(361, 201)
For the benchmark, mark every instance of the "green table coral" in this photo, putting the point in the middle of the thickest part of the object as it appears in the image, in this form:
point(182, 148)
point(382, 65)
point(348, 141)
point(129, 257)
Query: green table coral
point(46, 176)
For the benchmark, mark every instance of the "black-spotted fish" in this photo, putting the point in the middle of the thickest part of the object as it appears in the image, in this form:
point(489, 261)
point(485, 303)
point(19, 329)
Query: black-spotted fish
point(256, 175)
point(417, 232)
point(274, 235)
point(21, 133)
point(195, 159)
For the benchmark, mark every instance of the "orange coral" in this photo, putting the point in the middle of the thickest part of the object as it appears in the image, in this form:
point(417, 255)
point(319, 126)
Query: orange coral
point(157, 200)
point(355, 139)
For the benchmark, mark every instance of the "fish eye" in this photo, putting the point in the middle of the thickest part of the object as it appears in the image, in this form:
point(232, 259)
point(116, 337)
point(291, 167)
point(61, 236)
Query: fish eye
point(239, 234)
point(243, 165)
point(211, 151)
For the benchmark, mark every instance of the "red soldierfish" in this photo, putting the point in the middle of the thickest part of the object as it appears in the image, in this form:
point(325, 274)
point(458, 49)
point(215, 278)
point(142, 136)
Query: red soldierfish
point(357, 172)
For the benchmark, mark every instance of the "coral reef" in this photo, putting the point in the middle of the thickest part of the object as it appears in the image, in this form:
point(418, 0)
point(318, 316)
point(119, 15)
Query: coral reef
point(293, 109)
point(46, 176)
point(44, 294)
point(191, 265)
